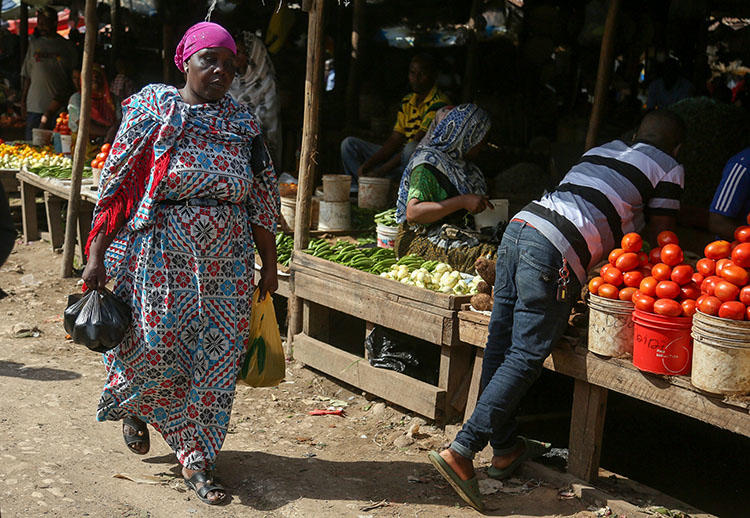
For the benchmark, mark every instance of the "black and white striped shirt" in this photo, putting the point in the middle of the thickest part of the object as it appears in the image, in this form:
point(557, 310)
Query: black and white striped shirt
point(603, 197)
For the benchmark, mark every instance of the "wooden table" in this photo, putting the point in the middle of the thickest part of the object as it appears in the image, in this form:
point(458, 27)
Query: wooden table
point(55, 193)
point(325, 287)
point(594, 376)
point(9, 180)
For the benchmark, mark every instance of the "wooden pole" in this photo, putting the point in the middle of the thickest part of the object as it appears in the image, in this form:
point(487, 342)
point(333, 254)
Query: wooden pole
point(352, 84)
point(309, 152)
point(82, 139)
point(467, 93)
point(603, 75)
point(116, 23)
point(23, 31)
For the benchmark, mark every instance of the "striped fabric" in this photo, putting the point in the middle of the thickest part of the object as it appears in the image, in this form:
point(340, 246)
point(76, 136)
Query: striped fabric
point(414, 118)
point(732, 198)
point(606, 195)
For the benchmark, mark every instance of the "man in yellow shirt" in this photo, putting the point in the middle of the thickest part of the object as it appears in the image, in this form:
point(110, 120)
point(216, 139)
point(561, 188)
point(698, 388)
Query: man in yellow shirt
point(362, 158)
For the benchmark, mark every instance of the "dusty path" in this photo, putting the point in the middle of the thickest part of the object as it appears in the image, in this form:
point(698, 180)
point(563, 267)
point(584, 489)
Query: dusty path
point(277, 460)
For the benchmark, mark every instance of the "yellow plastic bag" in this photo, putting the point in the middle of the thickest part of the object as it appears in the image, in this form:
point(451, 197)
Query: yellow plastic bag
point(264, 364)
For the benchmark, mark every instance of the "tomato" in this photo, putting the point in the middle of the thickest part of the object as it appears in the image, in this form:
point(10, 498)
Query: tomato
point(594, 284)
point(613, 276)
point(667, 237)
point(604, 269)
point(747, 313)
point(643, 301)
point(690, 290)
point(721, 263)
point(667, 307)
point(631, 242)
point(101, 156)
point(741, 255)
point(709, 284)
point(642, 259)
point(688, 307)
point(748, 218)
point(667, 290)
point(627, 262)
point(697, 278)
point(627, 294)
point(661, 272)
point(709, 305)
point(706, 266)
point(106, 147)
point(745, 295)
point(742, 234)
point(681, 274)
point(671, 254)
point(608, 291)
point(614, 255)
point(648, 286)
point(717, 249)
point(632, 279)
point(654, 256)
point(734, 274)
point(733, 309)
point(726, 291)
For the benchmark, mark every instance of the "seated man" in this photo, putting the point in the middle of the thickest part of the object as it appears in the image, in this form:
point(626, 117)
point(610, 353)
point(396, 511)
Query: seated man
point(731, 201)
point(363, 158)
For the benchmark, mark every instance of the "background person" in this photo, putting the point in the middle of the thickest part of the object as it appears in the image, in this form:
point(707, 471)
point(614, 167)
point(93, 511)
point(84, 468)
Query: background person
point(362, 158)
point(103, 117)
point(186, 194)
point(731, 202)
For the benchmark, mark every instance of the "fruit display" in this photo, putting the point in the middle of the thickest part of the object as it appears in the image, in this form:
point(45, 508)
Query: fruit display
point(284, 247)
point(61, 124)
point(101, 158)
point(57, 171)
point(386, 218)
point(15, 156)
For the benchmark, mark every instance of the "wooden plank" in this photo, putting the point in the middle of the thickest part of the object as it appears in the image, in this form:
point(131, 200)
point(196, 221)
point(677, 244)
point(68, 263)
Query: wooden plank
point(53, 206)
point(28, 212)
point(440, 300)
point(316, 320)
point(454, 377)
point(586, 430)
point(284, 285)
point(9, 180)
point(472, 332)
point(476, 378)
point(60, 188)
point(85, 213)
point(372, 307)
point(415, 395)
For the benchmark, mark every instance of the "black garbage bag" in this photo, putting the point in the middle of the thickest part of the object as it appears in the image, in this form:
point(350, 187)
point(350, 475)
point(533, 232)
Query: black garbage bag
point(97, 319)
point(388, 349)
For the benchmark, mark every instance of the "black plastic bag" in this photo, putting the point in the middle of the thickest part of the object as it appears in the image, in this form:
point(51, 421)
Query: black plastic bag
point(97, 319)
point(388, 350)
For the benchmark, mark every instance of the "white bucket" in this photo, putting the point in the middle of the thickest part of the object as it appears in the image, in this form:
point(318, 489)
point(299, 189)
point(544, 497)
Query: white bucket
point(491, 217)
point(610, 326)
point(336, 187)
point(289, 210)
point(335, 215)
point(386, 236)
point(721, 355)
point(373, 193)
point(41, 137)
point(66, 142)
point(96, 175)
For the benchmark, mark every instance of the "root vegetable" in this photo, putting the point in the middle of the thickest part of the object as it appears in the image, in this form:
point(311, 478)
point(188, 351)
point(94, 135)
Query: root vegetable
point(486, 270)
point(482, 302)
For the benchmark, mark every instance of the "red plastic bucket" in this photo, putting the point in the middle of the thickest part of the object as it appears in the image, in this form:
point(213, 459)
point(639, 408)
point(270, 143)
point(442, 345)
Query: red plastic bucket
point(662, 345)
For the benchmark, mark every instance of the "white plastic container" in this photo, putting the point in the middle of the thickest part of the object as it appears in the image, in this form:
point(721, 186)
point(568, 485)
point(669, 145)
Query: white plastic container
point(41, 137)
point(491, 217)
point(335, 215)
point(336, 187)
point(373, 193)
point(66, 142)
point(96, 175)
point(610, 326)
point(386, 236)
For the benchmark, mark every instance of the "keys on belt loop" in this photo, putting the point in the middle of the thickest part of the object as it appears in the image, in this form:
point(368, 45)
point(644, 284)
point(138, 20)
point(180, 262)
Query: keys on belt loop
point(563, 281)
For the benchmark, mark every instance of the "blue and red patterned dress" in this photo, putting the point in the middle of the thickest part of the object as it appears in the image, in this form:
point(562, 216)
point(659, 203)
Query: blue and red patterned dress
point(186, 271)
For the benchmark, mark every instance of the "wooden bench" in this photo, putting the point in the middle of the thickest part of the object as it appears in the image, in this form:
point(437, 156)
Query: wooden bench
point(594, 377)
point(55, 193)
point(324, 287)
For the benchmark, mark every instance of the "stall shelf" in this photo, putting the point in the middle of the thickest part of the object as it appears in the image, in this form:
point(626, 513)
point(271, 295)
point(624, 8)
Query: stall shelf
point(9, 180)
point(594, 376)
point(324, 286)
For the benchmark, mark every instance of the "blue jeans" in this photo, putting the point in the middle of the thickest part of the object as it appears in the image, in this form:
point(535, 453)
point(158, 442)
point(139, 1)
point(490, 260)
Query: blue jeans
point(527, 320)
point(33, 120)
point(355, 152)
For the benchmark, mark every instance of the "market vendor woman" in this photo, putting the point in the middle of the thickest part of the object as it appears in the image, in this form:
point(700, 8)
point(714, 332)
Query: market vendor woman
point(440, 186)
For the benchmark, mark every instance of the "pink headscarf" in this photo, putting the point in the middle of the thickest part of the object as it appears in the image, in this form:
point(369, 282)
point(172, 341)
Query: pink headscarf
point(201, 36)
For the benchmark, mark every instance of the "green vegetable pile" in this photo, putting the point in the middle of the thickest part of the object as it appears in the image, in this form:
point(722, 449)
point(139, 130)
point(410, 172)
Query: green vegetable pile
point(284, 247)
point(386, 218)
point(374, 260)
point(57, 171)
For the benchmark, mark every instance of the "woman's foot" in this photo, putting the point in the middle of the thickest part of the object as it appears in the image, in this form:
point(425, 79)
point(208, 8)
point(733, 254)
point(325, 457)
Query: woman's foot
point(135, 433)
point(463, 467)
point(203, 484)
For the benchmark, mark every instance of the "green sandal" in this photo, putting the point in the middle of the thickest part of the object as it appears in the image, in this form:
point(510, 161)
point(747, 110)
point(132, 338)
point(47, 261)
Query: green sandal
point(533, 449)
point(466, 489)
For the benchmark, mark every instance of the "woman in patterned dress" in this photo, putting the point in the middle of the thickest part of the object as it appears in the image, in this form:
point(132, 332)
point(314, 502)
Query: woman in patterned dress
point(187, 193)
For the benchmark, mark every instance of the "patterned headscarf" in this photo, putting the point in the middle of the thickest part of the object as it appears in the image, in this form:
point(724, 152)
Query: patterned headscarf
point(462, 128)
point(201, 36)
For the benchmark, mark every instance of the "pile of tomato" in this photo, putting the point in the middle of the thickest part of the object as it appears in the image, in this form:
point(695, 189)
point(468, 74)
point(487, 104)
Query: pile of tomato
point(61, 124)
point(658, 282)
point(98, 162)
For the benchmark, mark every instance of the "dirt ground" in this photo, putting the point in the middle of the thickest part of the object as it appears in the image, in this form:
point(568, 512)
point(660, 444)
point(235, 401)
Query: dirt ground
point(56, 460)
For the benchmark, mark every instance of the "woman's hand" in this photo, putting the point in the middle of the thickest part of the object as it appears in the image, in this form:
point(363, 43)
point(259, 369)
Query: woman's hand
point(475, 203)
point(269, 281)
point(95, 274)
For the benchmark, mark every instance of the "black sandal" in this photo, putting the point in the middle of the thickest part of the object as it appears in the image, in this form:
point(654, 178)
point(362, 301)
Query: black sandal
point(140, 437)
point(208, 486)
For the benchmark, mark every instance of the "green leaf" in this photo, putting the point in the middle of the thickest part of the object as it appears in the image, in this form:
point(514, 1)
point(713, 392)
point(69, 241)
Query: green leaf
point(261, 354)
